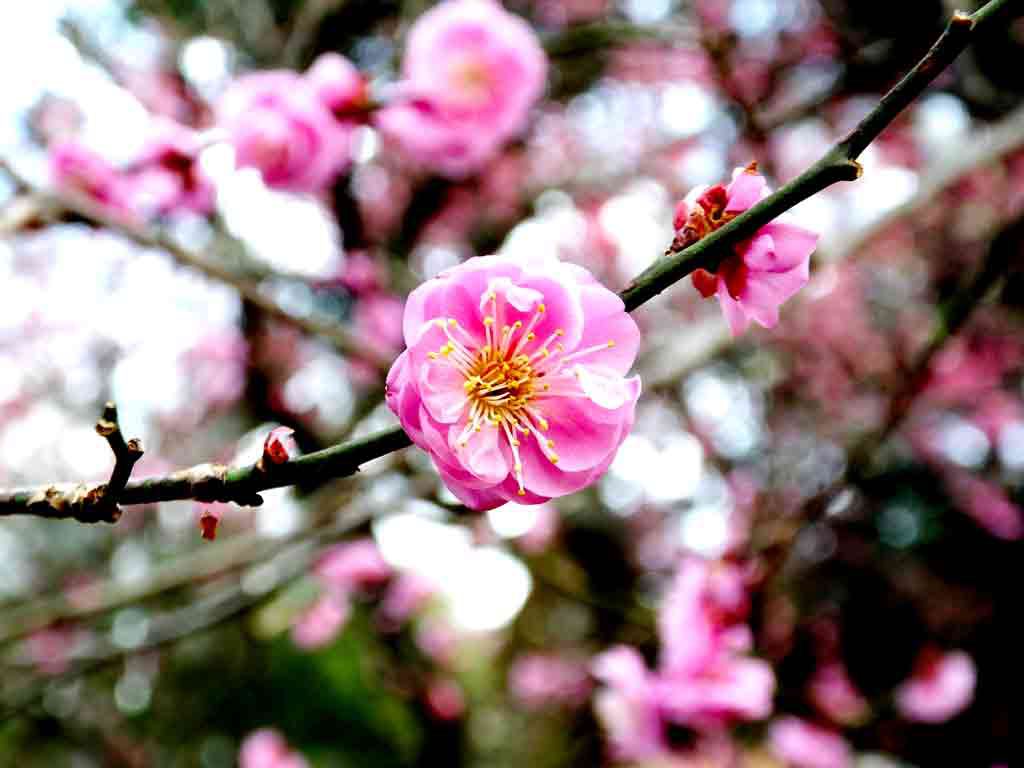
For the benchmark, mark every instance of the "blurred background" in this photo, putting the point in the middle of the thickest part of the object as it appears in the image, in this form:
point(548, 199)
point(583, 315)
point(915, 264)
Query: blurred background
point(869, 496)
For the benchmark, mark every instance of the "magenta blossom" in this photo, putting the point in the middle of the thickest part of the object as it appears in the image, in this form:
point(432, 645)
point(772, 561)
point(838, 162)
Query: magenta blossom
point(514, 378)
point(941, 687)
point(803, 745)
point(279, 125)
point(471, 73)
point(764, 271)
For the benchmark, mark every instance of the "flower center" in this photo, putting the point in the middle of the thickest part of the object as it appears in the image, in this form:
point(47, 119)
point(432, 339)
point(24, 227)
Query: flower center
point(509, 380)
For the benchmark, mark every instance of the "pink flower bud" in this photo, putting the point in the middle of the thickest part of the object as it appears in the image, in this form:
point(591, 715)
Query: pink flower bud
point(280, 445)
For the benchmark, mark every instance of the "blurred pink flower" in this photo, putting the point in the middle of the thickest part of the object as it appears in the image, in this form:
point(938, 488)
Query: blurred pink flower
point(471, 73)
point(704, 678)
point(987, 503)
point(800, 744)
point(321, 622)
point(514, 378)
point(278, 124)
point(941, 687)
point(378, 320)
point(51, 649)
point(408, 593)
point(540, 680)
point(167, 176)
point(76, 168)
point(833, 693)
point(338, 84)
point(445, 699)
point(628, 706)
point(266, 748)
point(765, 271)
point(353, 566)
point(363, 274)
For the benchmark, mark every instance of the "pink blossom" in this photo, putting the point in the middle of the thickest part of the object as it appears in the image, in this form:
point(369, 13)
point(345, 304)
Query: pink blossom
point(321, 623)
point(704, 680)
point(76, 168)
point(471, 73)
point(542, 680)
point(445, 699)
point(378, 319)
point(167, 176)
point(628, 705)
point(278, 124)
point(338, 84)
point(280, 445)
point(833, 693)
point(987, 503)
point(765, 270)
point(941, 687)
point(408, 593)
point(800, 744)
point(514, 378)
point(353, 566)
point(266, 748)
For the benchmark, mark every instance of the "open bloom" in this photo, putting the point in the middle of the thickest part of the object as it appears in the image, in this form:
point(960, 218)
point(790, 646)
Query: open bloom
point(278, 124)
point(514, 378)
point(705, 680)
point(764, 271)
point(471, 72)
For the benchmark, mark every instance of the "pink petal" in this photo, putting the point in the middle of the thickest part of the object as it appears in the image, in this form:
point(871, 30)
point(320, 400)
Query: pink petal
point(441, 387)
point(746, 190)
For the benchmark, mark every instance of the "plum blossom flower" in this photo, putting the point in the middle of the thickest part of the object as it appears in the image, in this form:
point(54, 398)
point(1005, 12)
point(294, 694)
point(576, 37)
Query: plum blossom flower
point(801, 744)
point(765, 271)
point(471, 73)
point(704, 679)
point(941, 687)
point(76, 168)
point(167, 176)
point(343, 571)
point(338, 84)
point(266, 748)
point(514, 378)
point(278, 124)
point(321, 622)
point(628, 705)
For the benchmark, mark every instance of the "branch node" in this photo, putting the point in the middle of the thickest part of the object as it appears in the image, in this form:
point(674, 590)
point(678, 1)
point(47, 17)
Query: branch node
point(99, 503)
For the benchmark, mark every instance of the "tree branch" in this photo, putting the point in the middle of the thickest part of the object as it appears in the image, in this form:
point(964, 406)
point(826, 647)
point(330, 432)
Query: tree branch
point(838, 164)
point(208, 482)
point(339, 337)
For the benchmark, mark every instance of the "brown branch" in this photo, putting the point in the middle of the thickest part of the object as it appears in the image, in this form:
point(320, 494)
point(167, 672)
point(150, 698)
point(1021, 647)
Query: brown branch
point(89, 502)
point(66, 202)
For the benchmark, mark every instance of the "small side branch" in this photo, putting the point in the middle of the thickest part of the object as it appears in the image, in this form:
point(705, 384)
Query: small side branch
point(85, 502)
